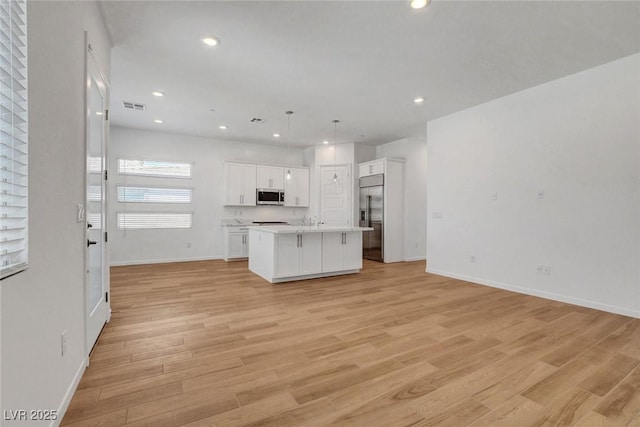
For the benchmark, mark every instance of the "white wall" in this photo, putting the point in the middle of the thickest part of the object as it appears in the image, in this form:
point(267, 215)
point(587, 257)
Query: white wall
point(578, 140)
point(46, 299)
point(414, 150)
point(208, 156)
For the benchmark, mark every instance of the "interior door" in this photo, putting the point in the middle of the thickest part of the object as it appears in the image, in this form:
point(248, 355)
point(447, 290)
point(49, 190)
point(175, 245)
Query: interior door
point(97, 278)
point(335, 207)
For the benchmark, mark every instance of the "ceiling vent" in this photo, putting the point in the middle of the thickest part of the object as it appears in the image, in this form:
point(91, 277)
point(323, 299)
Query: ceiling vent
point(133, 106)
point(258, 121)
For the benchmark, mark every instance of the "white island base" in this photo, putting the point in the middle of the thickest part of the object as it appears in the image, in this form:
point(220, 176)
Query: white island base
point(287, 253)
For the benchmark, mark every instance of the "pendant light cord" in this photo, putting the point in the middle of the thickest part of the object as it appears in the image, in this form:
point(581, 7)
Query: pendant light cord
point(288, 113)
point(335, 148)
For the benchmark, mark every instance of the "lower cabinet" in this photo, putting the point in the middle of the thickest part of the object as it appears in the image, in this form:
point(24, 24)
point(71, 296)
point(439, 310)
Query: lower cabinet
point(236, 243)
point(298, 254)
point(341, 251)
point(304, 254)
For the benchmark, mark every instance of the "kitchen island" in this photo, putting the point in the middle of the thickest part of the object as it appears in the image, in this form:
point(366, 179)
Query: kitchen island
point(289, 252)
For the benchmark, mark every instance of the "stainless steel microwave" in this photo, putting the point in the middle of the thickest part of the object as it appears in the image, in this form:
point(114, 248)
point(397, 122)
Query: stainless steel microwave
point(267, 196)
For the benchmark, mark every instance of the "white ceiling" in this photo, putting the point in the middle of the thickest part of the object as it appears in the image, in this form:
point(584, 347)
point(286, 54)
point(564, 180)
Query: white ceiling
point(361, 62)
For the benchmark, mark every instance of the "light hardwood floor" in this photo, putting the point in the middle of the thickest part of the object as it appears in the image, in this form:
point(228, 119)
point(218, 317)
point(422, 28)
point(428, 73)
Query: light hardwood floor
point(209, 343)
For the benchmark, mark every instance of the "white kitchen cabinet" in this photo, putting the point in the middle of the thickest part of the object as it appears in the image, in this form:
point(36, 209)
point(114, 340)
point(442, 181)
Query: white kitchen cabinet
point(341, 251)
point(271, 177)
point(235, 243)
point(296, 189)
point(298, 254)
point(371, 168)
point(286, 253)
point(240, 184)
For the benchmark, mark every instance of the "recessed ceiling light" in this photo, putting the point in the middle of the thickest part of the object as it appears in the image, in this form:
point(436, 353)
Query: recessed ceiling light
point(418, 100)
point(419, 4)
point(222, 127)
point(211, 41)
point(159, 121)
point(157, 93)
point(325, 142)
point(276, 135)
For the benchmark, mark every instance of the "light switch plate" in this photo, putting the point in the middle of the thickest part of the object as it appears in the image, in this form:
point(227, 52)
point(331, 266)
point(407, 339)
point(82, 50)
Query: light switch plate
point(80, 212)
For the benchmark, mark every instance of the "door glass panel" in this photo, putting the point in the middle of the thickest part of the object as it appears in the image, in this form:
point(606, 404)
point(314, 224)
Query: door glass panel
point(95, 200)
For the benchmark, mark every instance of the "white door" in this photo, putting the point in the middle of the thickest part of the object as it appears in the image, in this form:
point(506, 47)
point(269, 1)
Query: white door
point(97, 278)
point(287, 255)
point(332, 252)
point(335, 195)
point(310, 253)
point(234, 184)
point(352, 250)
point(236, 245)
point(248, 185)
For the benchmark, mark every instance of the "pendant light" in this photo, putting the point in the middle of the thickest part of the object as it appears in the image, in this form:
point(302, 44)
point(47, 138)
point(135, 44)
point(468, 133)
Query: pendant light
point(288, 113)
point(335, 141)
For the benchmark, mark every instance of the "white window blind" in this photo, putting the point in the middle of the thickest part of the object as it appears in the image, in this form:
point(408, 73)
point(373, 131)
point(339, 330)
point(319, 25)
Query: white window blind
point(154, 168)
point(142, 220)
point(154, 195)
point(13, 137)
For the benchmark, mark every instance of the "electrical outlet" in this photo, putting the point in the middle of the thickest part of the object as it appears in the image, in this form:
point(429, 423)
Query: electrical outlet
point(63, 343)
point(188, 245)
point(547, 270)
point(540, 194)
point(539, 269)
point(472, 259)
point(494, 196)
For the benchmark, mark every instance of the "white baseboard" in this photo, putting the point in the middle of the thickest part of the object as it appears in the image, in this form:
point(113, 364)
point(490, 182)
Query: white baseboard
point(69, 394)
point(533, 292)
point(160, 261)
point(415, 258)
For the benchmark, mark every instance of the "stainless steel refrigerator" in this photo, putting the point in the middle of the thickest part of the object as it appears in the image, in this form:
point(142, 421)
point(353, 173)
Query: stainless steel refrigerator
point(371, 215)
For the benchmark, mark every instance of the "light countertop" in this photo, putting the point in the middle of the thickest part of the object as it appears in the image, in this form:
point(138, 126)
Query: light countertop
point(283, 229)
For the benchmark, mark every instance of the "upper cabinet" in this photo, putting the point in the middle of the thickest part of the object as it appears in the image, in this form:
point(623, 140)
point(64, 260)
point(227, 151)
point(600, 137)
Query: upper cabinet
point(271, 177)
point(371, 168)
point(240, 184)
point(296, 189)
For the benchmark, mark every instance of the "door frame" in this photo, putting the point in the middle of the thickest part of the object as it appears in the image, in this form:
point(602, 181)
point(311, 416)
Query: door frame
point(93, 68)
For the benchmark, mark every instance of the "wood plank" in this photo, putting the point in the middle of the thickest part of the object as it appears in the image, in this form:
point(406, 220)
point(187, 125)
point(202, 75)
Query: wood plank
point(209, 343)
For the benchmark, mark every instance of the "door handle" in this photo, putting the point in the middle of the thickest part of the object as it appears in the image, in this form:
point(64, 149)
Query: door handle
point(89, 225)
point(91, 242)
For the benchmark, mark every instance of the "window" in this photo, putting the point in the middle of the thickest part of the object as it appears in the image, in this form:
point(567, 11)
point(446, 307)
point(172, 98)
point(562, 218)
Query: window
point(154, 168)
point(154, 195)
point(153, 185)
point(142, 220)
point(13, 137)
